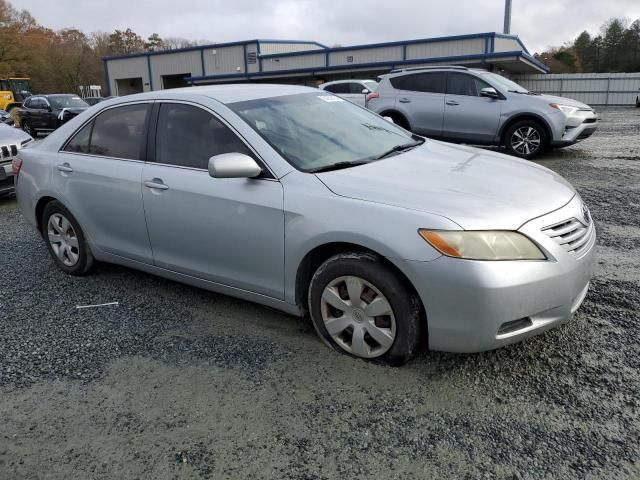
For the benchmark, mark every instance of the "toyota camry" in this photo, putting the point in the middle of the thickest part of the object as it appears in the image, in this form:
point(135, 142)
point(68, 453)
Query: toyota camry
point(297, 199)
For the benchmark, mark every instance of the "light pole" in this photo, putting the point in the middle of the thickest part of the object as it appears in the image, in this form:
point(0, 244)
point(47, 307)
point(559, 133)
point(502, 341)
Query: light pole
point(507, 17)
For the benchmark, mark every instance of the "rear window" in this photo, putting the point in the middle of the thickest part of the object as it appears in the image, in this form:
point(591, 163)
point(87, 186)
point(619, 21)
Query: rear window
point(432, 82)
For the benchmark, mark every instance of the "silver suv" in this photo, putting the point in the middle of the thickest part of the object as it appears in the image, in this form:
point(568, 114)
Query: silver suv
point(481, 108)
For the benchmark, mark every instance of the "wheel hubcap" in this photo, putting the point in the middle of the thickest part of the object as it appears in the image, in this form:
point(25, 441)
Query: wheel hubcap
point(526, 140)
point(63, 239)
point(358, 317)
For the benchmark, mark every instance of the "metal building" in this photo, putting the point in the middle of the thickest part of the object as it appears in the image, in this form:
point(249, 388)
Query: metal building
point(590, 88)
point(309, 62)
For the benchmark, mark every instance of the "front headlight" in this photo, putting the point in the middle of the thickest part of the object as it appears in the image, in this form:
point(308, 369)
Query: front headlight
point(483, 245)
point(566, 109)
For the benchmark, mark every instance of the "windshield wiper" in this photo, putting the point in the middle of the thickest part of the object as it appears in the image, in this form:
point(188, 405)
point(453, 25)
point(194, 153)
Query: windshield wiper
point(337, 166)
point(400, 148)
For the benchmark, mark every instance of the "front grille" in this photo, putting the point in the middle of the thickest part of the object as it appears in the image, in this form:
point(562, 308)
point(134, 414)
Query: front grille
point(573, 235)
point(7, 152)
point(590, 120)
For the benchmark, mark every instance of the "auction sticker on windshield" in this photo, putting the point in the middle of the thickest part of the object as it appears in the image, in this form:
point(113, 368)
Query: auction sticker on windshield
point(330, 98)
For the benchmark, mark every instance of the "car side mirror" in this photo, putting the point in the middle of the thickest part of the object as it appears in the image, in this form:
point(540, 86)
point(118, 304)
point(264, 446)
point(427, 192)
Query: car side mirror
point(233, 165)
point(366, 91)
point(389, 119)
point(489, 92)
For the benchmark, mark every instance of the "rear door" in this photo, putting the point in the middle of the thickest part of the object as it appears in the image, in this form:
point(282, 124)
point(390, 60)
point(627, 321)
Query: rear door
point(468, 116)
point(229, 231)
point(99, 172)
point(420, 98)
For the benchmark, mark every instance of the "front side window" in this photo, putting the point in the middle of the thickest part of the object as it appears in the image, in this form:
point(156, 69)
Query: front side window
point(356, 88)
point(432, 82)
point(188, 136)
point(316, 130)
point(461, 84)
point(338, 88)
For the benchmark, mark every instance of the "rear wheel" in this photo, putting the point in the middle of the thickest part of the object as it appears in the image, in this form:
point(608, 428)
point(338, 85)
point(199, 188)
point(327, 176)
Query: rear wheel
point(27, 128)
point(363, 308)
point(65, 240)
point(526, 139)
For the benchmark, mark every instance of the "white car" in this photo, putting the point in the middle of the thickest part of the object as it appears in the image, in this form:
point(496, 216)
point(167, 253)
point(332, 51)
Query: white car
point(11, 141)
point(355, 91)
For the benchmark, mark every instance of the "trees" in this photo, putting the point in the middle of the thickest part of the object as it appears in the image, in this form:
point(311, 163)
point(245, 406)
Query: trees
point(615, 49)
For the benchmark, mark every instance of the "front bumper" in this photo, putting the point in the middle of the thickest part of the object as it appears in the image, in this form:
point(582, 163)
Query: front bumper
point(578, 126)
point(6, 178)
point(469, 303)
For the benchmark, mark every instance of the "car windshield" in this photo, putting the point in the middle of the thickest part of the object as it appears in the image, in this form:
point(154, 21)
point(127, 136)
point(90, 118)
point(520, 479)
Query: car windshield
point(371, 85)
point(67, 101)
point(314, 131)
point(503, 83)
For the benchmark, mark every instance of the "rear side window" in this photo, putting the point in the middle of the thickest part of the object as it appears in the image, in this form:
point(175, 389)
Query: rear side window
point(120, 132)
point(80, 141)
point(432, 82)
point(188, 136)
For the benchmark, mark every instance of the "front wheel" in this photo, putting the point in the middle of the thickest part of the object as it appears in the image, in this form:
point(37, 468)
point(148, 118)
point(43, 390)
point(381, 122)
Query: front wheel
point(362, 308)
point(526, 139)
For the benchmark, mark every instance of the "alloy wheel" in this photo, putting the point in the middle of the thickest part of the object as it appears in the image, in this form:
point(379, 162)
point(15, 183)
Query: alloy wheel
point(526, 140)
point(63, 239)
point(358, 317)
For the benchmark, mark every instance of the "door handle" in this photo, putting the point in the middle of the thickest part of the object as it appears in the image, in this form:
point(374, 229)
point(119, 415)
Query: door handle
point(156, 183)
point(404, 100)
point(65, 167)
point(452, 102)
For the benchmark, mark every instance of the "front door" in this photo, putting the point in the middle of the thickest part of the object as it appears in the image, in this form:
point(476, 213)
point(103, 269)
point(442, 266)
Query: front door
point(229, 231)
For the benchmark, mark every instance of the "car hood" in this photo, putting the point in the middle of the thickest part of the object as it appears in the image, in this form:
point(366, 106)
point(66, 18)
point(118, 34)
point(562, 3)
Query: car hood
point(564, 101)
point(11, 135)
point(477, 189)
point(75, 110)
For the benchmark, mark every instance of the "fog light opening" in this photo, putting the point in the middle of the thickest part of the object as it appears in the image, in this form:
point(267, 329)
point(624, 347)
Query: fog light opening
point(514, 325)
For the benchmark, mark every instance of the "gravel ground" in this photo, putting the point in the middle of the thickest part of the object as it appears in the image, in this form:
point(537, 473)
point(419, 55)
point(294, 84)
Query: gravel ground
point(176, 382)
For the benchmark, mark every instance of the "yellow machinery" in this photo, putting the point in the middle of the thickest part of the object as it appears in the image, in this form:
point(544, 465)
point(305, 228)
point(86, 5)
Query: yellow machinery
point(13, 92)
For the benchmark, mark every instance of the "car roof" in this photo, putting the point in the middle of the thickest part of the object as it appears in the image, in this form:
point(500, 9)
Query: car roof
point(443, 68)
point(229, 93)
point(351, 80)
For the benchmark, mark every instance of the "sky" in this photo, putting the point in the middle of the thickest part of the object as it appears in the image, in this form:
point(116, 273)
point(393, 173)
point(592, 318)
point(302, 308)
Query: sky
point(540, 24)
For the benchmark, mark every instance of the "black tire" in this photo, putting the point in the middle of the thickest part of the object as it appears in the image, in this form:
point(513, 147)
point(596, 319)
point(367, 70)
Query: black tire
point(637, 102)
point(28, 129)
point(399, 120)
point(537, 132)
point(405, 305)
point(85, 258)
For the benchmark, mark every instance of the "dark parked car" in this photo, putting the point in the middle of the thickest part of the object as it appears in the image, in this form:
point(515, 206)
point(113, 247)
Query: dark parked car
point(45, 113)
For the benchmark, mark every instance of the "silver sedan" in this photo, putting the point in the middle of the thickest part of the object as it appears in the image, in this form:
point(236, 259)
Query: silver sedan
point(296, 199)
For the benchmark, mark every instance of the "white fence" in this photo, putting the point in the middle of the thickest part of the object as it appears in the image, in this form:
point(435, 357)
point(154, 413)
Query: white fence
point(590, 88)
